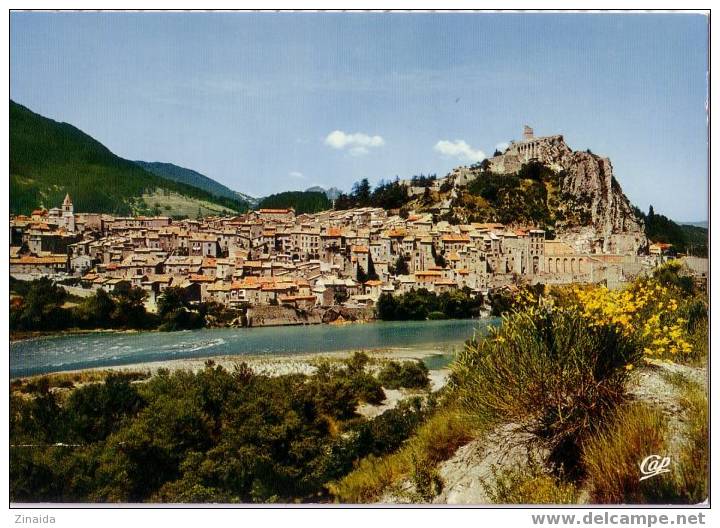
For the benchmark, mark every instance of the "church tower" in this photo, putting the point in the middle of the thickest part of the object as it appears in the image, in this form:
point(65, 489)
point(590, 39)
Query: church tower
point(67, 206)
point(68, 214)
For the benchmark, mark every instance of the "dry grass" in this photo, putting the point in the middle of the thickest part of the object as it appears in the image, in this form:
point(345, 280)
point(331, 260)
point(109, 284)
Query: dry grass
point(692, 478)
point(531, 483)
point(436, 440)
point(612, 457)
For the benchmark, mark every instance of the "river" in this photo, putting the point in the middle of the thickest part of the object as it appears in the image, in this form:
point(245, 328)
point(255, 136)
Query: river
point(82, 351)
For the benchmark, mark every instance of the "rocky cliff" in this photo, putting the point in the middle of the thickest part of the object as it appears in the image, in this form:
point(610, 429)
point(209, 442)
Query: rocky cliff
point(599, 216)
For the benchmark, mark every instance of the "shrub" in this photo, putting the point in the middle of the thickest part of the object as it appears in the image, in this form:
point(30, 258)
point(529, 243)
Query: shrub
point(647, 311)
point(367, 388)
point(182, 319)
point(548, 372)
point(409, 375)
point(419, 305)
point(381, 435)
point(671, 275)
point(425, 478)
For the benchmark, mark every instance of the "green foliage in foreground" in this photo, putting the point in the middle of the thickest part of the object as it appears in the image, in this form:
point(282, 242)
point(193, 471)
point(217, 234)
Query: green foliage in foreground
point(436, 439)
point(418, 305)
point(408, 375)
point(301, 201)
point(212, 436)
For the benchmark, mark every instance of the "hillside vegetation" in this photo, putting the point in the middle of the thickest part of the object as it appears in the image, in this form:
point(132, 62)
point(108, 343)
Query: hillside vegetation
point(194, 178)
point(165, 202)
point(49, 159)
point(684, 238)
point(301, 201)
point(529, 197)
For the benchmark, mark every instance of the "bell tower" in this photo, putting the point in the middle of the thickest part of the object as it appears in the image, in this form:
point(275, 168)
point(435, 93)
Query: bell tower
point(68, 213)
point(67, 206)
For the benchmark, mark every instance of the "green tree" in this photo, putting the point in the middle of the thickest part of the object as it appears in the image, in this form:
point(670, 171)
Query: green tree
point(361, 192)
point(401, 266)
point(130, 309)
point(97, 410)
point(96, 311)
point(171, 300)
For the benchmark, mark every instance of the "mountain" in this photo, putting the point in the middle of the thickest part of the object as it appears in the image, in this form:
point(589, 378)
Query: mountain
point(189, 177)
point(301, 201)
point(252, 201)
point(332, 193)
point(699, 223)
point(49, 159)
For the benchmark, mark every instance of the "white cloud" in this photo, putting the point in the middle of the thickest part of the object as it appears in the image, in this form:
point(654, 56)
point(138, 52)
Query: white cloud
point(502, 147)
point(358, 151)
point(298, 175)
point(459, 149)
point(358, 144)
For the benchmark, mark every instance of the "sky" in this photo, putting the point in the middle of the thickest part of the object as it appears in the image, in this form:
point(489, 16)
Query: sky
point(268, 102)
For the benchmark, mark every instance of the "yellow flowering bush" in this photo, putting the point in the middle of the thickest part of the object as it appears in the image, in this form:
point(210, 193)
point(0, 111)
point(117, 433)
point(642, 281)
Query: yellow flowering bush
point(662, 314)
point(646, 310)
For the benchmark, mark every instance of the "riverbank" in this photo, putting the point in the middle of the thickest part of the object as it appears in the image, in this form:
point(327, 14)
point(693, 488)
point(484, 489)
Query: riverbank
point(17, 336)
point(276, 365)
point(273, 366)
point(102, 350)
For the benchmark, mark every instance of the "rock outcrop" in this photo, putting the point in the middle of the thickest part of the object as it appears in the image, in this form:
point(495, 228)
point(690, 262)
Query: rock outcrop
point(600, 217)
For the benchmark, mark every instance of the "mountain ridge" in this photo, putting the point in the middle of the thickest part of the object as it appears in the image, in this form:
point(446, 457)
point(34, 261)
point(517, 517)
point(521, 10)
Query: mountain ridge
point(49, 159)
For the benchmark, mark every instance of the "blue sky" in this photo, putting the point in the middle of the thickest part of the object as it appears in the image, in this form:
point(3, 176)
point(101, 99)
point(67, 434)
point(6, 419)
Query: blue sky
point(272, 102)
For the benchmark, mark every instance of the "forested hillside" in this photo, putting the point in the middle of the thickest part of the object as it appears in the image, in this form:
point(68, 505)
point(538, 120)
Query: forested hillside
point(49, 159)
point(301, 201)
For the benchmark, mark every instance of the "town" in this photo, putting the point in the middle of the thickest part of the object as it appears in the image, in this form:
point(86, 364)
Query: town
point(273, 257)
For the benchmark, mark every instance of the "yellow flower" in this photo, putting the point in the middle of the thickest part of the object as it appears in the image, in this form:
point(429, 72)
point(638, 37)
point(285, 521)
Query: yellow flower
point(629, 366)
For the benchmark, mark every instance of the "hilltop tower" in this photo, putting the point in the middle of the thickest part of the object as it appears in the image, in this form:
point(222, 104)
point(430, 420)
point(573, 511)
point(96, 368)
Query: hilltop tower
point(528, 133)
